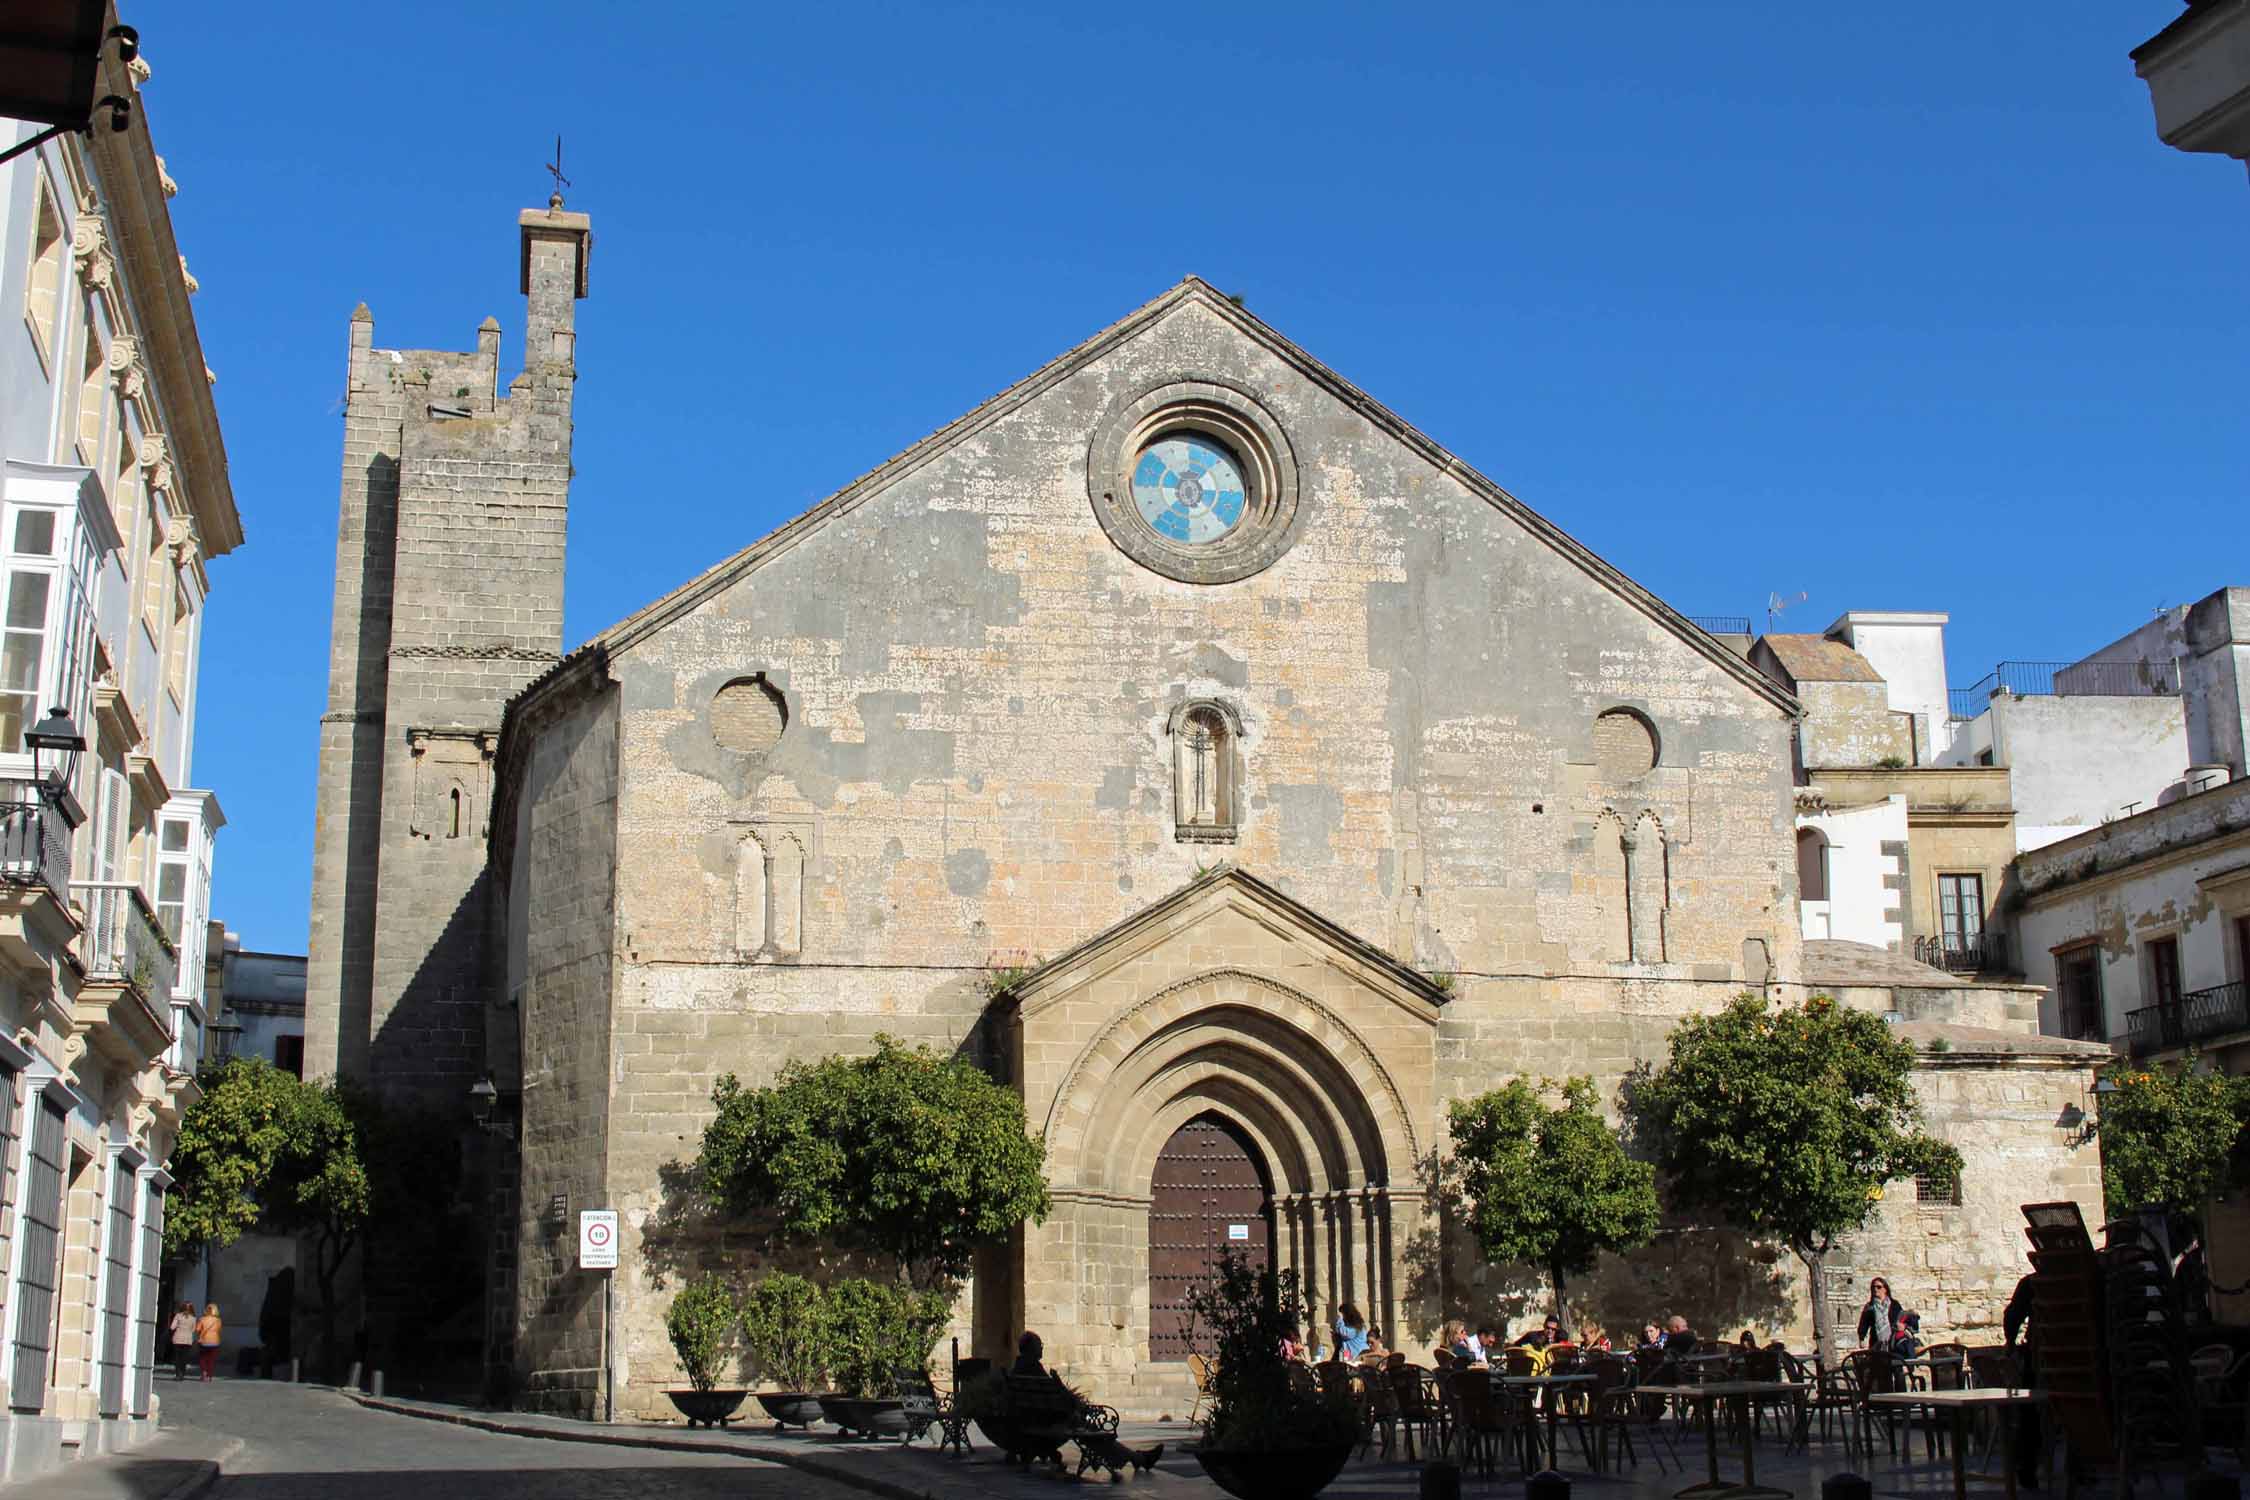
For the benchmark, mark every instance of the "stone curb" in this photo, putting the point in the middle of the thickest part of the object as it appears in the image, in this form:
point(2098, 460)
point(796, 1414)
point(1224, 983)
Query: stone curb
point(213, 1470)
point(809, 1463)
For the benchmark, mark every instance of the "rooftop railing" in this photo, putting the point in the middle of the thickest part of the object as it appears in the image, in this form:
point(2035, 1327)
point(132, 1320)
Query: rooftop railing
point(1721, 624)
point(2191, 1018)
point(2067, 679)
point(34, 837)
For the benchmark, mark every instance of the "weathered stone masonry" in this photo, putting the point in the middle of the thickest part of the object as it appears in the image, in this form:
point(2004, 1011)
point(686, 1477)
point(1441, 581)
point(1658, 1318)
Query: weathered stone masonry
point(1232, 802)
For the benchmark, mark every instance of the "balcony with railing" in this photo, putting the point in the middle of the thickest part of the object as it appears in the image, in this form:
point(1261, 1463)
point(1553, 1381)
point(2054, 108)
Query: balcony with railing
point(124, 940)
point(2196, 1016)
point(1985, 952)
point(2065, 679)
point(34, 836)
point(1721, 624)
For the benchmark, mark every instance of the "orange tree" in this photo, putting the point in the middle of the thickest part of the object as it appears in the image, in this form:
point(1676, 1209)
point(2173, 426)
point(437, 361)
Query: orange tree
point(2170, 1137)
point(1787, 1121)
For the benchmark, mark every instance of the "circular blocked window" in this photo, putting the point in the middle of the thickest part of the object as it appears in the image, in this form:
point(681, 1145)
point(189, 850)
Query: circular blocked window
point(748, 715)
point(1624, 745)
point(1195, 481)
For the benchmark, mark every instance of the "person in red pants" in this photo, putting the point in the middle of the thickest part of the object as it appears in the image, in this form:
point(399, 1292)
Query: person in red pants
point(207, 1331)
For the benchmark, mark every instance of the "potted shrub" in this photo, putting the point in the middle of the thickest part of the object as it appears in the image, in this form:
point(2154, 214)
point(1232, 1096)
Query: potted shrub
point(873, 1328)
point(782, 1322)
point(703, 1321)
point(1263, 1439)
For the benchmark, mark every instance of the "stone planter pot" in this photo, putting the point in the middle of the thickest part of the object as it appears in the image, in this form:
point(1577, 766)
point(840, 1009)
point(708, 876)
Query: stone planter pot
point(790, 1408)
point(1284, 1474)
point(707, 1408)
point(864, 1417)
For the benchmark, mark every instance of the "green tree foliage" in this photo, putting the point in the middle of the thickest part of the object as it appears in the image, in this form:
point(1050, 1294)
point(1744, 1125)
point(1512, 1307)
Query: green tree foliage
point(1788, 1121)
point(784, 1323)
point(2171, 1136)
point(904, 1153)
point(874, 1328)
point(264, 1149)
point(1253, 1406)
point(227, 1146)
point(1550, 1186)
point(703, 1323)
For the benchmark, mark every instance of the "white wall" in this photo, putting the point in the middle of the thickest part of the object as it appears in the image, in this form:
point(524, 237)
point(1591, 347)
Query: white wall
point(2133, 881)
point(1908, 648)
point(1860, 907)
point(2075, 762)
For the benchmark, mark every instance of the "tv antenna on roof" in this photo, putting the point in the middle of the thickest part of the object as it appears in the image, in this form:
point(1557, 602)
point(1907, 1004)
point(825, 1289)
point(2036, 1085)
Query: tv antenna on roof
point(554, 169)
point(1775, 604)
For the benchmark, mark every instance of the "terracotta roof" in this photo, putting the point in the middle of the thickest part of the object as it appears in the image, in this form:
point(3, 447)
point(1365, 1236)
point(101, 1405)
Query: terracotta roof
point(1816, 658)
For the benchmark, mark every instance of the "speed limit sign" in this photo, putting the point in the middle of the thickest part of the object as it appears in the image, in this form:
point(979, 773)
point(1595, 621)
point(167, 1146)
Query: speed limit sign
point(597, 1239)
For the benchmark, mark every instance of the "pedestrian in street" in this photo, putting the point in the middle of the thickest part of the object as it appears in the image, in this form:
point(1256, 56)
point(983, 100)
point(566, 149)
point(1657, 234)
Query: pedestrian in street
point(207, 1331)
point(183, 1339)
point(1879, 1319)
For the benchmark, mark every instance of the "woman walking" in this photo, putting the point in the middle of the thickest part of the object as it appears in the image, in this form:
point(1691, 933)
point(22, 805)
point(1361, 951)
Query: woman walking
point(207, 1331)
point(183, 1339)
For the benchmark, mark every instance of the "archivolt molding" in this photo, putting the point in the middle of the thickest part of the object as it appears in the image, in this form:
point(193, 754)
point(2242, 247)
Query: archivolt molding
point(1124, 1035)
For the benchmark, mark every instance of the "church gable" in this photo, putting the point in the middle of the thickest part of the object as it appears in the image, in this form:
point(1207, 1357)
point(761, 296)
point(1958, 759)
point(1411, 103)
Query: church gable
point(1184, 595)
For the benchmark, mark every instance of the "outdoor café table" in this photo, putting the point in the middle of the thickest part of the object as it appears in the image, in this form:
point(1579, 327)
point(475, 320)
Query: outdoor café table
point(1961, 1403)
point(1710, 1394)
point(1547, 1383)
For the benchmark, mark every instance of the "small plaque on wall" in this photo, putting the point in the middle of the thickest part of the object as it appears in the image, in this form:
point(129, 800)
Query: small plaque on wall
point(1238, 1231)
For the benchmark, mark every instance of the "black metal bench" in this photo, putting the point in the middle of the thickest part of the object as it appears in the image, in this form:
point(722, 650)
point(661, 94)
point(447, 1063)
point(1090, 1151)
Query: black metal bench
point(925, 1409)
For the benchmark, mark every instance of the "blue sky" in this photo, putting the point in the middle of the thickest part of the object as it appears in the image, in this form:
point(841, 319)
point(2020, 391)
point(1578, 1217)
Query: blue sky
point(1899, 307)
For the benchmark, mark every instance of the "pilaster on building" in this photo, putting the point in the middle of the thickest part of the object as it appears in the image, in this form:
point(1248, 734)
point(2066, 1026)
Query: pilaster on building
point(449, 579)
point(114, 498)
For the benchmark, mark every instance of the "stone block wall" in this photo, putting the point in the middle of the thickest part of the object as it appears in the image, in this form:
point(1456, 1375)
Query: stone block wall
point(559, 869)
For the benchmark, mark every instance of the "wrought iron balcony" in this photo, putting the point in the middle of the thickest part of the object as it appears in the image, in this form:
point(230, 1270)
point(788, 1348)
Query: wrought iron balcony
point(1984, 953)
point(34, 836)
point(124, 940)
point(2193, 1017)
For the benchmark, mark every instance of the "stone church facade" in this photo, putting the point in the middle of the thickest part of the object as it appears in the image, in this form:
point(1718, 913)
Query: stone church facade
point(1210, 755)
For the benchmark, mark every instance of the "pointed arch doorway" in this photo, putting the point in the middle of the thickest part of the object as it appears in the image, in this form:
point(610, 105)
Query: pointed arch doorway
point(1211, 1192)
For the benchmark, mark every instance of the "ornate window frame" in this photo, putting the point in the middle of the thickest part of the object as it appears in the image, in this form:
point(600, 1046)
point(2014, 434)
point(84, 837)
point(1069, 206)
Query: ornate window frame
point(1246, 429)
point(1224, 771)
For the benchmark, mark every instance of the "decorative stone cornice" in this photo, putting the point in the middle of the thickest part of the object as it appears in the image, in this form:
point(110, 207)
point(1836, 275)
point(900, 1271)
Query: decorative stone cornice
point(89, 248)
point(125, 368)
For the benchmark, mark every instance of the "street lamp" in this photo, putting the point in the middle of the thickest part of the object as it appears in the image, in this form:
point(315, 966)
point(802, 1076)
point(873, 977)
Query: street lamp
point(483, 1096)
point(61, 743)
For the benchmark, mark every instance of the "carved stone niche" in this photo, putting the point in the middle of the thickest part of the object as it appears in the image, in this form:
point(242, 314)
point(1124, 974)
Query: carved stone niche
point(773, 865)
point(1206, 772)
point(452, 782)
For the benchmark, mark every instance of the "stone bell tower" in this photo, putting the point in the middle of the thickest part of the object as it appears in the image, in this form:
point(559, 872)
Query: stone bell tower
point(449, 594)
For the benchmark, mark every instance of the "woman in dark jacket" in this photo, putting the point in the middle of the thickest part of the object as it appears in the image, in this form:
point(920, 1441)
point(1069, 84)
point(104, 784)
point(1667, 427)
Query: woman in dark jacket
point(1879, 1319)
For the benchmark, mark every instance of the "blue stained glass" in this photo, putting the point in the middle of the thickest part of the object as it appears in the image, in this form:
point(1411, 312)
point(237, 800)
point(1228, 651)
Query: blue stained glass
point(1189, 490)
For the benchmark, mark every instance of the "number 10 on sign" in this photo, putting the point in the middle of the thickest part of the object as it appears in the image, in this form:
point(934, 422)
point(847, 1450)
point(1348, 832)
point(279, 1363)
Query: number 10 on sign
point(597, 1239)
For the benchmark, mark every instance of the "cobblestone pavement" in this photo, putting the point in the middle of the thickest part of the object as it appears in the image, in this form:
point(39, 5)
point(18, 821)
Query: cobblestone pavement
point(306, 1443)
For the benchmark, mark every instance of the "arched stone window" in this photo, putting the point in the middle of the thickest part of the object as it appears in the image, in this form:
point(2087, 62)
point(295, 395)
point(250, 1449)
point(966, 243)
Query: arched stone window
point(769, 894)
point(1812, 865)
point(1649, 879)
point(1206, 772)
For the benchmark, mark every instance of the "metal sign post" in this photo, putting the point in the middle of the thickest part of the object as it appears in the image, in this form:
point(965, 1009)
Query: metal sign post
point(597, 1251)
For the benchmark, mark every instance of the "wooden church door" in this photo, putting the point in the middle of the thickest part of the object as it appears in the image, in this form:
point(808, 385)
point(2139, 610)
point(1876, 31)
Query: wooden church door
point(1210, 1193)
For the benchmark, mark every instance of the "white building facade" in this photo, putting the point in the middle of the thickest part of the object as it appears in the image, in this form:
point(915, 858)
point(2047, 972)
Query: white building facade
point(113, 496)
